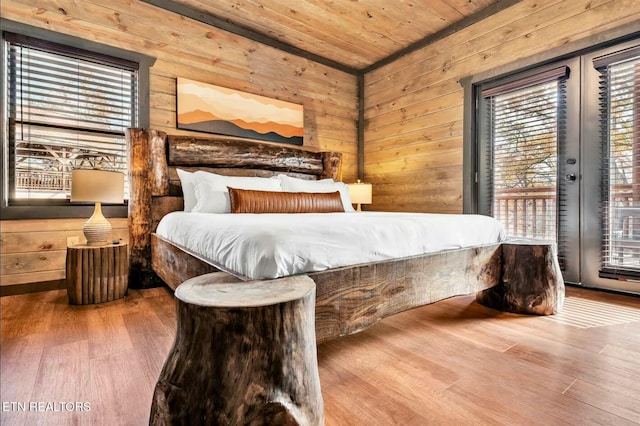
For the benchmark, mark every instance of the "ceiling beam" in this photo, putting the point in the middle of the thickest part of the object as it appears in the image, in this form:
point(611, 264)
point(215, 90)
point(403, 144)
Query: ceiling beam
point(243, 31)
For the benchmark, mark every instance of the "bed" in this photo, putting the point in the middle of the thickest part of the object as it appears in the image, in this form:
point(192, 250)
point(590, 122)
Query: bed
point(352, 294)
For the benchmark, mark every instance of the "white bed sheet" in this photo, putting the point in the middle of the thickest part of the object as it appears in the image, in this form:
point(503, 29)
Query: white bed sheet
point(262, 246)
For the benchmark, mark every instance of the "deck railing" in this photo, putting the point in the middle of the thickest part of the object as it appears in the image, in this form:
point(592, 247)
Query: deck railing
point(43, 181)
point(531, 212)
point(527, 212)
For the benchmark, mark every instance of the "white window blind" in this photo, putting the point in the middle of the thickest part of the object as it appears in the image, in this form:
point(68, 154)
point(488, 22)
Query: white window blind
point(67, 109)
point(524, 122)
point(619, 121)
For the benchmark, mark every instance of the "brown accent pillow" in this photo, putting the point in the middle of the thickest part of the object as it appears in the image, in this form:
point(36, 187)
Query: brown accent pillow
point(251, 201)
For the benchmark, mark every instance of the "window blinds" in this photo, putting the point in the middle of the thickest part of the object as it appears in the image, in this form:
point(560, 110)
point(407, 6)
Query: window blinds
point(67, 109)
point(524, 124)
point(619, 118)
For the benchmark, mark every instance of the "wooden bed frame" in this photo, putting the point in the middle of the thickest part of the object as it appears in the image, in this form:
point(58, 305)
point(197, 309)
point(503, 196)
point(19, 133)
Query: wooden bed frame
point(348, 299)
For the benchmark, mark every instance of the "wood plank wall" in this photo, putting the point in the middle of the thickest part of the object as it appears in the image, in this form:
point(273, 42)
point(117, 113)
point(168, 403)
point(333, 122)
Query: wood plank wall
point(188, 49)
point(34, 251)
point(414, 106)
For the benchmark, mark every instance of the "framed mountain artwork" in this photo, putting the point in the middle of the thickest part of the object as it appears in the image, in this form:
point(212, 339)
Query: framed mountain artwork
point(208, 108)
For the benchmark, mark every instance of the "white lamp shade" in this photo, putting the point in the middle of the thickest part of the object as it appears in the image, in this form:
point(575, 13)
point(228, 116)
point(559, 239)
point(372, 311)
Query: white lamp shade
point(97, 186)
point(360, 193)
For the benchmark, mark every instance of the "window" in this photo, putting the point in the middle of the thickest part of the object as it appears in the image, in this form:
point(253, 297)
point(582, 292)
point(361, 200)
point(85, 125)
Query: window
point(522, 140)
point(619, 91)
point(67, 109)
point(65, 103)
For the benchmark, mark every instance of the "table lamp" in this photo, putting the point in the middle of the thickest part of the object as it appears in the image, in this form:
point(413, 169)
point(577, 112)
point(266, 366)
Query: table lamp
point(97, 186)
point(360, 193)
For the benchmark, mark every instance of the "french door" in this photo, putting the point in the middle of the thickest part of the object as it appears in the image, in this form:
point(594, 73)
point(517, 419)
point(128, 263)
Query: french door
point(559, 159)
point(610, 170)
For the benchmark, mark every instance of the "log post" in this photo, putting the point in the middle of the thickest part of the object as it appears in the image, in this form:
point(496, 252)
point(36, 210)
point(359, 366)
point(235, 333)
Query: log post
point(332, 165)
point(531, 281)
point(244, 354)
point(147, 177)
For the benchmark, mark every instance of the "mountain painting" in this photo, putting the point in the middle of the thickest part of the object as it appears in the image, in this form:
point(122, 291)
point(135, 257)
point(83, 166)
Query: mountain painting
point(213, 109)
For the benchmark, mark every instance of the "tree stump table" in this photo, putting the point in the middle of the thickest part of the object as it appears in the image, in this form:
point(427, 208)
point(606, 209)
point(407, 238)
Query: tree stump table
point(531, 281)
point(244, 354)
point(97, 274)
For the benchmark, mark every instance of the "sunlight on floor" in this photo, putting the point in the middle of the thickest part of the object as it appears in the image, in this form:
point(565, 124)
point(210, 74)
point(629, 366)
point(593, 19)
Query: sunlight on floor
point(583, 313)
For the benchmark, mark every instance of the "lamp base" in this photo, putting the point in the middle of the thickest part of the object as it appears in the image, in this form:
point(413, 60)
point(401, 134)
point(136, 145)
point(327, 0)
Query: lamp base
point(358, 207)
point(97, 229)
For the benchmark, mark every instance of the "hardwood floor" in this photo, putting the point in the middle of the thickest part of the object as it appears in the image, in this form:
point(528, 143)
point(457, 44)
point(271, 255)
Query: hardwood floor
point(450, 363)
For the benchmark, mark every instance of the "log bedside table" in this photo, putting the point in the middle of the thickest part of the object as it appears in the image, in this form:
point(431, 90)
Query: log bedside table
point(97, 274)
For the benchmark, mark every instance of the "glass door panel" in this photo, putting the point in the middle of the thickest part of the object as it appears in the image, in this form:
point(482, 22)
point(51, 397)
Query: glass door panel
point(525, 160)
point(529, 158)
point(611, 231)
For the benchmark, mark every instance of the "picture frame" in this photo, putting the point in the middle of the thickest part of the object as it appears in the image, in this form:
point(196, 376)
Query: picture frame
point(204, 107)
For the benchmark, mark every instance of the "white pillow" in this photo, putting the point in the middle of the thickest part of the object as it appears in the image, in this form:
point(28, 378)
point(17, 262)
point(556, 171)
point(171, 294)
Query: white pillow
point(212, 194)
point(290, 184)
point(187, 180)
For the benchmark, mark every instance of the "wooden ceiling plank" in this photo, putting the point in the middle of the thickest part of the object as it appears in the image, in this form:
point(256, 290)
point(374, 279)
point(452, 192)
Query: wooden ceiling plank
point(339, 29)
point(392, 21)
point(440, 35)
point(310, 29)
point(443, 10)
point(320, 24)
point(247, 33)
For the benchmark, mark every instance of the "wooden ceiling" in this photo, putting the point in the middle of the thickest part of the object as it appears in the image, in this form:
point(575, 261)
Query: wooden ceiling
point(353, 33)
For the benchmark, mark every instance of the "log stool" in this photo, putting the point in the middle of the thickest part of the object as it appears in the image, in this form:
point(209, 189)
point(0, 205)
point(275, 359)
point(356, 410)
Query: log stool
point(97, 274)
point(531, 280)
point(244, 354)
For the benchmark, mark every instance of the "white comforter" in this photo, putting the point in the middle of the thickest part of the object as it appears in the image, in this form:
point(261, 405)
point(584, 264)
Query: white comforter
point(261, 246)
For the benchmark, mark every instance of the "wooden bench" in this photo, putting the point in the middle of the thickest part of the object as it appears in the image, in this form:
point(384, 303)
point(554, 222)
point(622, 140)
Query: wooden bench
point(245, 353)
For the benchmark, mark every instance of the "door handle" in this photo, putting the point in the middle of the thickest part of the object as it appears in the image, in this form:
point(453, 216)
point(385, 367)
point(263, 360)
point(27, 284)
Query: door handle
point(570, 177)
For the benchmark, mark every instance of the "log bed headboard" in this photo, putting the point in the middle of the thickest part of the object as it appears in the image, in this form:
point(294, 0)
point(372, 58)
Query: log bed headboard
point(154, 187)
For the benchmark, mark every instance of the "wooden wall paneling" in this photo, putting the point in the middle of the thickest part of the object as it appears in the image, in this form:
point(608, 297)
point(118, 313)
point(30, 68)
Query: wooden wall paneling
point(422, 187)
point(34, 250)
point(411, 102)
point(36, 225)
point(415, 151)
point(312, 82)
point(448, 130)
point(33, 277)
point(424, 106)
point(431, 174)
point(20, 263)
point(23, 242)
point(449, 156)
point(435, 119)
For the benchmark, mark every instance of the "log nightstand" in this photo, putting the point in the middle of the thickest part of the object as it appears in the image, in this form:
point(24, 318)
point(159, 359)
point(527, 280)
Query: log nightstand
point(97, 274)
